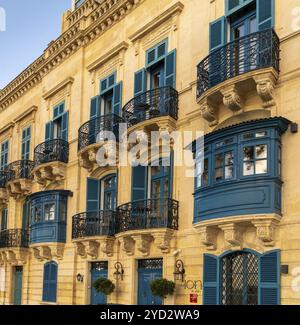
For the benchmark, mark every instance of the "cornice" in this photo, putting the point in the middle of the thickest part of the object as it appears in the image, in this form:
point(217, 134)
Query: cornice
point(7, 128)
point(26, 113)
point(80, 34)
point(166, 15)
point(107, 56)
point(57, 88)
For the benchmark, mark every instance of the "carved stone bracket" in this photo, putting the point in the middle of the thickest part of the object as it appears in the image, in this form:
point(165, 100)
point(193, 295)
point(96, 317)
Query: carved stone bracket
point(127, 245)
point(265, 231)
point(19, 188)
point(80, 249)
point(107, 246)
point(47, 252)
point(232, 99)
point(208, 112)
point(163, 240)
point(265, 85)
point(233, 234)
point(3, 197)
point(48, 173)
point(92, 248)
point(208, 237)
point(143, 243)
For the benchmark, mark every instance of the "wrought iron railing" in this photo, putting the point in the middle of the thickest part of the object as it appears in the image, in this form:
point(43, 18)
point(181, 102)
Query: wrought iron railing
point(3, 178)
point(89, 132)
point(11, 238)
point(21, 169)
point(52, 150)
point(147, 214)
point(96, 223)
point(252, 52)
point(153, 103)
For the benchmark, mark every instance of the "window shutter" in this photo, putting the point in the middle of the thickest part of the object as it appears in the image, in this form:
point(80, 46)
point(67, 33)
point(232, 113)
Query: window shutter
point(26, 143)
point(265, 13)
point(4, 219)
point(139, 183)
point(117, 99)
point(269, 278)
point(46, 282)
point(217, 33)
point(140, 82)
point(210, 280)
point(25, 215)
point(49, 131)
point(64, 126)
point(93, 195)
point(170, 69)
point(95, 109)
point(50, 282)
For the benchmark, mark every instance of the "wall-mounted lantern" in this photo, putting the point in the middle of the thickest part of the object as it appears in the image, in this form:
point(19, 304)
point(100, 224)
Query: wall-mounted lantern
point(79, 277)
point(119, 273)
point(179, 271)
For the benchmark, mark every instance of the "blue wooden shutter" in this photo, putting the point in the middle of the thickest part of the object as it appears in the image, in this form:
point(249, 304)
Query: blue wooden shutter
point(269, 278)
point(26, 134)
point(265, 14)
point(49, 131)
point(139, 183)
point(64, 126)
point(95, 110)
point(217, 33)
point(93, 195)
point(4, 154)
point(50, 282)
point(170, 69)
point(25, 215)
point(140, 82)
point(4, 219)
point(117, 99)
point(210, 280)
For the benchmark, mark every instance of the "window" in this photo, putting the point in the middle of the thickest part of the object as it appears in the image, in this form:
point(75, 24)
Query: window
point(49, 210)
point(4, 154)
point(37, 214)
point(4, 219)
point(26, 135)
point(255, 160)
point(224, 166)
point(50, 282)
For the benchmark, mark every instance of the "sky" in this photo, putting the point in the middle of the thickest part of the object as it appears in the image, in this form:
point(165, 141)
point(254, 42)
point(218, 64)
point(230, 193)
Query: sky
point(30, 26)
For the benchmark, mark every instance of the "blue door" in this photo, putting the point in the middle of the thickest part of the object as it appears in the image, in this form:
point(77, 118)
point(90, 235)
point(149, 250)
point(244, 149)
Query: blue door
point(98, 270)
point(148, 270)
point(18, 285)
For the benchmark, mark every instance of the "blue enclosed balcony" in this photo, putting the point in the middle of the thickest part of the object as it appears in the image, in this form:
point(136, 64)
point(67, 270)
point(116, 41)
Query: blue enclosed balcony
point(48, 216)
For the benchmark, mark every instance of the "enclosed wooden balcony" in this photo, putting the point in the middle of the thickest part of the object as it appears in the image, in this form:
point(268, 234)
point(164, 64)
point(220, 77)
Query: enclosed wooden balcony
point(228, 75)
point(50, 160)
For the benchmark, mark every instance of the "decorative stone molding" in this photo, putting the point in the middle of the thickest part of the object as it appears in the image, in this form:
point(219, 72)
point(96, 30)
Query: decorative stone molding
point(65, 84)
point(265, 85)
point(232, 98)
point(163, 240)
point(25, 118)
point(107, 246)
point(233, 234)
point(19, 188)
point(46, 174)
point(208, 237)
point(3, 197)
point(80, 249)
point(92, 248)
point(46, 252)
point(6, 132)
point(143, 243)
point(265, 231)
point(208, 112)
point(127, 245)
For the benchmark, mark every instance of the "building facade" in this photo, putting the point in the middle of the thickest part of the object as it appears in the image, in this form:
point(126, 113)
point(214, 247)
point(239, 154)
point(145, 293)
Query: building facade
point(229, 68)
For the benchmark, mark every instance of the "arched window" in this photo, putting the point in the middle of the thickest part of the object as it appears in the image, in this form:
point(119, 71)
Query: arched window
point(50, 282)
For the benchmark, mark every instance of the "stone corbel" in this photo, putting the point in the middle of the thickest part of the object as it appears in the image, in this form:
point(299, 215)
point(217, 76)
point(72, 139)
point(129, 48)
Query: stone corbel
point(80, 249)
point(11, 257)
point(208, 237)
point(143, 243)
point(127, 245)
point(92, 249)
point(58, 252)
point(265, 85)
point(208, 112)
point(107, 246)
point(232, 99)
point(233, 234)
point(58, 172)
point(265, 231)
point(163, 241)
point(45, 174)
point(45, 253)
point(3, 257)
point(3, 196)
point(92, 154)
point(85, 163)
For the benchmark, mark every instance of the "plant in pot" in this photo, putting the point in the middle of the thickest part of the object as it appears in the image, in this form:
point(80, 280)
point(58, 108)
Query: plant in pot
point(162, 288)
point(105, 286)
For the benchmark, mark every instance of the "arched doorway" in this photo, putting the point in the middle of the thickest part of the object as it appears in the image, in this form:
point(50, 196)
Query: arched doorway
point(239, 278)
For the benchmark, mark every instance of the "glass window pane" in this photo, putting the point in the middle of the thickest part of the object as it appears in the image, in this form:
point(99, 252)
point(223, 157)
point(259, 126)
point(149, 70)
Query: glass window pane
point(261, 152)
point(218, 161)
point(248, 153)
point(248, 169)
point(219, 174)
point(229, 172)
point(49, 211)
point(261, 167)
point(229, 158)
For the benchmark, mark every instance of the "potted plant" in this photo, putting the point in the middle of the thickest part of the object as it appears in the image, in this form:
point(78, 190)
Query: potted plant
point(105, 286)
point(162, 288)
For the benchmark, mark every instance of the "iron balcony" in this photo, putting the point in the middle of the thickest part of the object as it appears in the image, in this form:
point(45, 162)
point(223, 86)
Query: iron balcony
point(21, 169)
point(14, 238)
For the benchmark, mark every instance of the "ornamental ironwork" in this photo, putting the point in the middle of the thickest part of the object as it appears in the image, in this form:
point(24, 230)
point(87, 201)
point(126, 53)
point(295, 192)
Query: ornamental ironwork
point(3, 179)
point(52, 150)
point(148, 214)
point(252, 52)
point(150, 104)
point(21, 169)
point(239, 280)
point(96, 223)
point(151, 264)
point(13, 238)
point(89, 132)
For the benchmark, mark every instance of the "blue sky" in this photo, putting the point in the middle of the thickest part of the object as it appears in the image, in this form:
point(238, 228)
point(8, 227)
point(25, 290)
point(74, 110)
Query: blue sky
point(30, 26)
